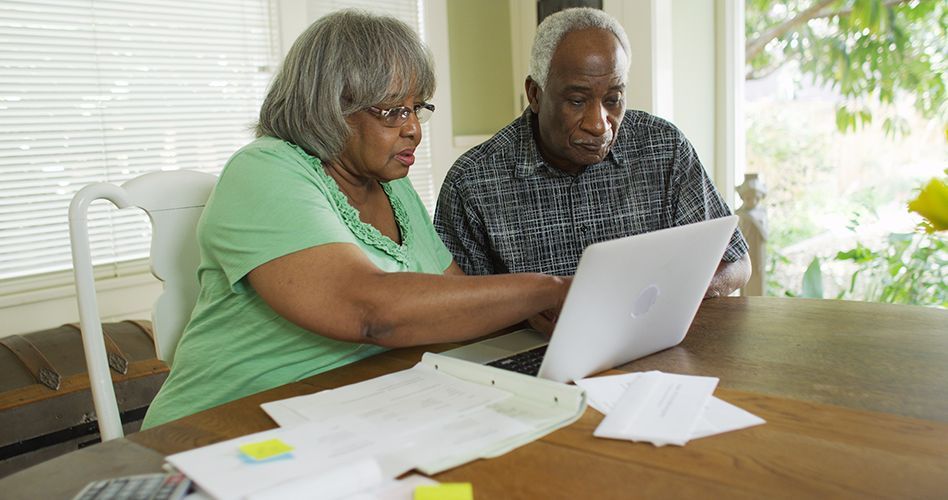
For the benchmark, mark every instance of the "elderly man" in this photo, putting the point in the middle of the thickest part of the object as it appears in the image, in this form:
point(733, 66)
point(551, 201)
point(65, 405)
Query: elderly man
point(577, 167)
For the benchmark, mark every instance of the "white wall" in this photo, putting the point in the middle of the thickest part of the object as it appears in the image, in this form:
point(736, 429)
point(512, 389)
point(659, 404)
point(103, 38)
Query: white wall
point(648, 26)
point(729, 96)
point(693, 67)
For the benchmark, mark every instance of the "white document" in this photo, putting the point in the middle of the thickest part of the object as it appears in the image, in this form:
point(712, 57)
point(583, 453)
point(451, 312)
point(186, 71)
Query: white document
point(658, 407)
point(339, 482)
point(439, 414)
point(441, 420)
point(395, 489)
point(718, 416)
point(365, 475)
point(445, 411)
point(602, 393)
point(388, 403)
point(330, 456)
point(453, 442)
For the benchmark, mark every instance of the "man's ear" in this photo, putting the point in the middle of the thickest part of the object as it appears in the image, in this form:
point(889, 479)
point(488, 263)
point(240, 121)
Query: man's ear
point(533, 91)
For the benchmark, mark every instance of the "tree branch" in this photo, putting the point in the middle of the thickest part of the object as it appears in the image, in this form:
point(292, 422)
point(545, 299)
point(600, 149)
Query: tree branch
point(764, 73)
point(818, 10)
point(848, 11)
point(755, 46)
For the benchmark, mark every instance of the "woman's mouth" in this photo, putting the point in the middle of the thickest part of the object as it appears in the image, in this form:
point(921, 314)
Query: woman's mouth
point(406, 157)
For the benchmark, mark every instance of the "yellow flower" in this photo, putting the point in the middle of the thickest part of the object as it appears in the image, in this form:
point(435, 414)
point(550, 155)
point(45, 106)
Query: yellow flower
point(932, 204)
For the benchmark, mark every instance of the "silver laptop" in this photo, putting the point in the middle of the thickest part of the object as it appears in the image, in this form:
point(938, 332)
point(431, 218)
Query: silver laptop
point(630, 297)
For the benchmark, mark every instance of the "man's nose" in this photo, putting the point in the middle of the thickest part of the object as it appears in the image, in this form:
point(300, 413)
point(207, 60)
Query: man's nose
point(595, 120)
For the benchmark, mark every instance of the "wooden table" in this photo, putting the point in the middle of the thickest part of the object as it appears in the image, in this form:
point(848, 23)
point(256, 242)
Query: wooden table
point(855, 396)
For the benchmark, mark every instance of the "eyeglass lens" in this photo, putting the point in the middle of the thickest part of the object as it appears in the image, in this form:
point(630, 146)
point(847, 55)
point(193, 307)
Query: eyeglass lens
point(397, 117)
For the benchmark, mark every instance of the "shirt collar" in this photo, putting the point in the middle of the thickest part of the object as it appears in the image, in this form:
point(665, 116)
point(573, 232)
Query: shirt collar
point(529, 159)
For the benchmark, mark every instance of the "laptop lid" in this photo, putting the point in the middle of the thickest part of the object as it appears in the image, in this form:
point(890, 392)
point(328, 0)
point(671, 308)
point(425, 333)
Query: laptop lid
point(634, 296)
point(630, 297)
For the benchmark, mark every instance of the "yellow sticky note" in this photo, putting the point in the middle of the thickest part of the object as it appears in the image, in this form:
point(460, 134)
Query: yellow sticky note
point(265, 449)
point(445, 491)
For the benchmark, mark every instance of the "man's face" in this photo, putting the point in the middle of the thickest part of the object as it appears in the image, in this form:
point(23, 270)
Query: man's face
point(581, 108)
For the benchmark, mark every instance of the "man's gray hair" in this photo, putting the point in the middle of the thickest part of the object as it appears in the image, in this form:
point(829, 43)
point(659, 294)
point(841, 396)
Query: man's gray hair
point(552, 30)
point(343, 63)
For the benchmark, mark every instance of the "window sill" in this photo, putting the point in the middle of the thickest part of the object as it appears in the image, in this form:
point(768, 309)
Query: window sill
point(53, 286)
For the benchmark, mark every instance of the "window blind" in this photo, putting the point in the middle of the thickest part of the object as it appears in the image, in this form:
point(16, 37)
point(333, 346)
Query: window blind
point(411, 12)
point(97, 90)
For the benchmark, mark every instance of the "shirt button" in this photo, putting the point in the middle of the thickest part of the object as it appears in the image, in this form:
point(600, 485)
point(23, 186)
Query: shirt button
point(583, 228)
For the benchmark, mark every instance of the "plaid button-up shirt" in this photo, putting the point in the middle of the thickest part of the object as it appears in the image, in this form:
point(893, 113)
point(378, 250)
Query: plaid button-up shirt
point(502, 209)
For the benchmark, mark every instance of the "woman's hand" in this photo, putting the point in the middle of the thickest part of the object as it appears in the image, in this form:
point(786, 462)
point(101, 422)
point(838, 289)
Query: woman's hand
point(545, 321)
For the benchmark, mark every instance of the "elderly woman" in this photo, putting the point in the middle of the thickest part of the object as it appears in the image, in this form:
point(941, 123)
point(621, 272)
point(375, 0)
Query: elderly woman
point(315, 250)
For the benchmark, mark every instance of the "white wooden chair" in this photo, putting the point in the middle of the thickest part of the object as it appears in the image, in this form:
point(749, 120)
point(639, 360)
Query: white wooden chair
point(173, 201)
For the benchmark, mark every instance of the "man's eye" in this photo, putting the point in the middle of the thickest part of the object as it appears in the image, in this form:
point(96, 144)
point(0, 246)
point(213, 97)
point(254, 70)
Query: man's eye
point(575, 102)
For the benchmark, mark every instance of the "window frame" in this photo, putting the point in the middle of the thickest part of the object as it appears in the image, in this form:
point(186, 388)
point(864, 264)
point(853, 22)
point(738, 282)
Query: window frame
point(52, 293)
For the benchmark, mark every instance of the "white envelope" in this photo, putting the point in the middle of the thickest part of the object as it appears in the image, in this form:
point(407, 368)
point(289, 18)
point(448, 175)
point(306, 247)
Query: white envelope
point(718, 416)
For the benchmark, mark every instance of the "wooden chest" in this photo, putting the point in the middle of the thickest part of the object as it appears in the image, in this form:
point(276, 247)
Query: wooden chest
point(46, 406)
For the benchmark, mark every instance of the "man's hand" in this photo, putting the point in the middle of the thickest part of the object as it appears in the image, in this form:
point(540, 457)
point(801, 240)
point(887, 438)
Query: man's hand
point(729, 277)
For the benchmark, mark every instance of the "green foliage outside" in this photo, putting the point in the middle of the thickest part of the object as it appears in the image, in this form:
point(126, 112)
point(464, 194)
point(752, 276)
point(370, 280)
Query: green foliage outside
point(877, 56)
point(909, 268)
point(912, 268)
point(870, 51)
point(795, 154)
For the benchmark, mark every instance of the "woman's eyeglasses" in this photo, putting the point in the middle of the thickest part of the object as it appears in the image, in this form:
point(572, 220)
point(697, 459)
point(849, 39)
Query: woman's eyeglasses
point(396, 117)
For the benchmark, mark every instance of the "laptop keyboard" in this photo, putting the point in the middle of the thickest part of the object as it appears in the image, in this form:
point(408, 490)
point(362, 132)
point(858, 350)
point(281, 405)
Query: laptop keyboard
point(527, 362)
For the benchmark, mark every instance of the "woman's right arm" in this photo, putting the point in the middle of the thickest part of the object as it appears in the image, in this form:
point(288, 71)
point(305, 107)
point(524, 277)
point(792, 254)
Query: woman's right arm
point(336, 291)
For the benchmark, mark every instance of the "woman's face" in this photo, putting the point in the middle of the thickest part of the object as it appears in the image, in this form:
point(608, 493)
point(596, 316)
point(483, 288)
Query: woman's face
point(377, 151)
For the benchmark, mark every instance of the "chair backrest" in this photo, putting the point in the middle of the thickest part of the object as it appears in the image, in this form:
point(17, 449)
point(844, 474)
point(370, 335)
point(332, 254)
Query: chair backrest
point(173, 201)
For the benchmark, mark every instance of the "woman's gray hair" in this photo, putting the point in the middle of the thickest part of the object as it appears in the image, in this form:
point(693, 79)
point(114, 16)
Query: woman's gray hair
point(343, 63)
point(552, 30)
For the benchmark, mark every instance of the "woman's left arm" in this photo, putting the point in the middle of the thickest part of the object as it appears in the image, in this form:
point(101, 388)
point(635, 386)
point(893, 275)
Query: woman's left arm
point(454, 269)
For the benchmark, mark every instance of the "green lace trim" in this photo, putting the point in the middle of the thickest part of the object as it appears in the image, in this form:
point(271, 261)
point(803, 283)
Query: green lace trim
point(367, 233)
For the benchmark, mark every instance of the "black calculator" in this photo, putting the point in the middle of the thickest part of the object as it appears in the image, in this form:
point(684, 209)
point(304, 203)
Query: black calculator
point(159, 486)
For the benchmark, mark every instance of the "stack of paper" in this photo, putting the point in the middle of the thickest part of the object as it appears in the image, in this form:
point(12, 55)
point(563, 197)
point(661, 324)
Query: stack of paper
point(445, 411)
point(311, 457)
point(439, 414)
point(662, 408)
